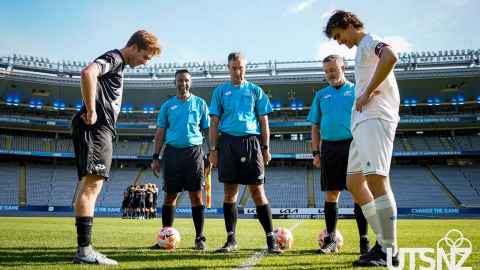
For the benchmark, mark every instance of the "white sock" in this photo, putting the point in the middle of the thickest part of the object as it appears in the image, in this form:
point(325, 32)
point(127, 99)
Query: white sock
point(387, 214)
point(370, 213)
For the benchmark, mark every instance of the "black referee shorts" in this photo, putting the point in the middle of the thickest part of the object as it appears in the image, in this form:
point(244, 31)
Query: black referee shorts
point(334, 161)
point(240, 160)
point(93, 148)
point(182, 169)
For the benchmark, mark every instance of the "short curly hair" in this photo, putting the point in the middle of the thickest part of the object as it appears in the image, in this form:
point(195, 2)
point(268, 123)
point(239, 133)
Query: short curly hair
point(342, 19)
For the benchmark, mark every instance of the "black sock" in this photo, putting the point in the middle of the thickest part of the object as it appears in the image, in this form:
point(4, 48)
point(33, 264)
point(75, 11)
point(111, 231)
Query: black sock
point(84, 230)
point(362, 223)
point(198, 218)
point(331, 211)
point(264, 214)
point(168, 215)
point(230, 215)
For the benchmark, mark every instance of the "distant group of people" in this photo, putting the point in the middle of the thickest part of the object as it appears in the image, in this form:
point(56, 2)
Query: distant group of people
point(140, 201)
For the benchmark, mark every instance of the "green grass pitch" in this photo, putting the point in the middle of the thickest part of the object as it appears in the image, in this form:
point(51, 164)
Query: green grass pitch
point(49, 243)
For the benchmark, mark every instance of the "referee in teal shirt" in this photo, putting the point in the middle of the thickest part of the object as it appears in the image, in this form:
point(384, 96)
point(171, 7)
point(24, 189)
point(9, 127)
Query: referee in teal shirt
point(330, 115)
point(180, 123)
point(239, 110)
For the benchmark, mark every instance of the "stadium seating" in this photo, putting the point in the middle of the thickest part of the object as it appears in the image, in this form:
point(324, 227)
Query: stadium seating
point(40, 180)
point(9, 183)
point(285, 187)
point(462, 186)
point(402, 143)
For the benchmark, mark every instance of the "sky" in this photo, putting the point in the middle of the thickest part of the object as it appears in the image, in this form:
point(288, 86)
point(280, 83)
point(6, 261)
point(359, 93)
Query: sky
point(207, 30)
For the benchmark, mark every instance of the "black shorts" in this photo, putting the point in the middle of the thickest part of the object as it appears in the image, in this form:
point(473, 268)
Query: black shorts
point(93, 148)
point(240, 160)
point(334, 161)
point(182, 169)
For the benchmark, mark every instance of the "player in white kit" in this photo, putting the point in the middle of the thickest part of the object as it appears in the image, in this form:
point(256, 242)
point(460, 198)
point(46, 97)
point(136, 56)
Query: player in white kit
point(374, 121)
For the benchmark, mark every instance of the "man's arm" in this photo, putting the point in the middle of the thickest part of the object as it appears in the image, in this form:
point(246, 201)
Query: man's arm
point(159, 139)
point(265, 138)
point(385, 65)
point(89, 79)
point(212, 139)
point(159, 136)
point(316, 144)
point(316, 137)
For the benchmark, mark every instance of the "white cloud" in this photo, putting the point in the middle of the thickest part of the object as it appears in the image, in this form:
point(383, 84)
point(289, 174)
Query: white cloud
point(331, 47)
point(299, 7)
point(399, 43)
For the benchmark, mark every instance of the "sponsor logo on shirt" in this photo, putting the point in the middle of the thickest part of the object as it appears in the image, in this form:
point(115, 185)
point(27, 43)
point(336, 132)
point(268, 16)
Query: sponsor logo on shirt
point(100, 167)
point(347, 93)
point(173, 107)
point(228, 93)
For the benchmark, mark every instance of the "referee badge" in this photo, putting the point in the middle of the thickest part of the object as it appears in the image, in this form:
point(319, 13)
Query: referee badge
point(243, 159)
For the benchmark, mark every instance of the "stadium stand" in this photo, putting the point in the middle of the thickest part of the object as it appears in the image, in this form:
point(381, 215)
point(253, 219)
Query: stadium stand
point(458, 184)
point(40, 181)
point(9, 183)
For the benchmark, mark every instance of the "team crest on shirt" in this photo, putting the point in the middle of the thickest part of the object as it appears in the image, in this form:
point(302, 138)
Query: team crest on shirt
point(173, 107)
point(228, 93)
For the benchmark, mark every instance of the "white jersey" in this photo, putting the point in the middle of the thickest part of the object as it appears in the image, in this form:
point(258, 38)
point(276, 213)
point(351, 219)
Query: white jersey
point(386, 102)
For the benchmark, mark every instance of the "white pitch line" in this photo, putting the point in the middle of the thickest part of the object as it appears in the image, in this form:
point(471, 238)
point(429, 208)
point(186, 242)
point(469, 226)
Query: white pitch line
point(252, 261)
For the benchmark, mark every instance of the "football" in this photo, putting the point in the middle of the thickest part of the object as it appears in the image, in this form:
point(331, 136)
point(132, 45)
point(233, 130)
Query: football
point(338, 238)
point(283, 237)
point(168, 238)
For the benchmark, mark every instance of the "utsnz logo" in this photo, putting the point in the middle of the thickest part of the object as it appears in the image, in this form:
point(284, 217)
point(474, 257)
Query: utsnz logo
point(289, 211)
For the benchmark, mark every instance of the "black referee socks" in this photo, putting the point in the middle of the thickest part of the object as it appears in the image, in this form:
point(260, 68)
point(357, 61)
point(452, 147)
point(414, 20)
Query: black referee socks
point(361, 221)
point(84, 230)
point(198, 219)
point(331, 212)
point(264, 214)
point(230, 215)
point(168, 215)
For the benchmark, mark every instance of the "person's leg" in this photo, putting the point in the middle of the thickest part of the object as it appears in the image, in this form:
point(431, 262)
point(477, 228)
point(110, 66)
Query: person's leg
point(230, 209)
point(198, 216)
point(197, 211)
point(90, 187)
point(386, 210)
point(331, 212)
point(362, 226)
point(362, 195)
point(230, 216)
point(377, 152)
point(264, 214)
point(168, 209)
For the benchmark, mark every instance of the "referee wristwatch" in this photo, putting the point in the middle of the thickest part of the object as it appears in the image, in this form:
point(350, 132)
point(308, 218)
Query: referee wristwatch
point(315, 153)
point(212, 149)
point(264, 147)
point(156, 156)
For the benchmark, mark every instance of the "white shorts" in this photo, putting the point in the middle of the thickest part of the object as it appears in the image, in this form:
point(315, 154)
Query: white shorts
point(372, 147)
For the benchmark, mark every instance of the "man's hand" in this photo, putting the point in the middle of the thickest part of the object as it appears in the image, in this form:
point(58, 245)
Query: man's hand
point(156, 166)
point(213, 157)
point(207, 166)
point(316, 161)
point(266, 156)
point(89, 118)
point(364, 99)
